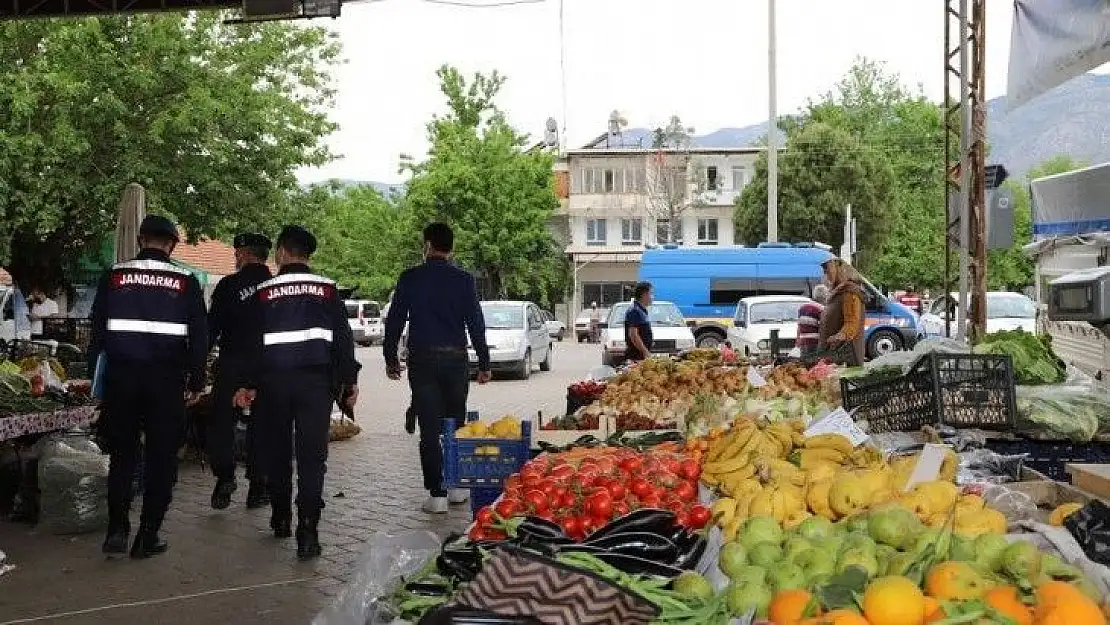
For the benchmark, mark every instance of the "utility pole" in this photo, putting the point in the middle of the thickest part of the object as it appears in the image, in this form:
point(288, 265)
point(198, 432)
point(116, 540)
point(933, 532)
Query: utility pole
point(772, 130)
point(965, 160)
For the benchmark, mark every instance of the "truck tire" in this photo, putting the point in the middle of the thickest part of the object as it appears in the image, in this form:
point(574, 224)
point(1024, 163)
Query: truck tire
point(525, 370)
point(710, 339)
point(883, 342)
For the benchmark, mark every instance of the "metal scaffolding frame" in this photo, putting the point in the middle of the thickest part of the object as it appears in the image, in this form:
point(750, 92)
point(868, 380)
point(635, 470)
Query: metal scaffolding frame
point(965, 160)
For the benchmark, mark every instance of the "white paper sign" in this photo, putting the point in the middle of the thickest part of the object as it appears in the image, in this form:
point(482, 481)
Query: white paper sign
point(838, 422)
point(928, 464)
point(755, 379)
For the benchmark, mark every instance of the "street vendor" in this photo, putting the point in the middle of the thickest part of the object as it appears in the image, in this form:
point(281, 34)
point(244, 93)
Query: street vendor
point(148, 323)
point(637, 324)
point(840, 333)
point(303, 348)
point(229, 325)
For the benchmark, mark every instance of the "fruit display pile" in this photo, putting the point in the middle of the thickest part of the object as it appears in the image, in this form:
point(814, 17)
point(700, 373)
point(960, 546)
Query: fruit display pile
point(24, 389)
point(573, 422)
point(587, 390)
point(507, 427)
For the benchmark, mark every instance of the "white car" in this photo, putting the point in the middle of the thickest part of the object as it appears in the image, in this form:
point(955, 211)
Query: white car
point(365, 318)
point(1005, 311)
point(555, 329)
point(669, 332)
point(517, 336)
point(757, 316)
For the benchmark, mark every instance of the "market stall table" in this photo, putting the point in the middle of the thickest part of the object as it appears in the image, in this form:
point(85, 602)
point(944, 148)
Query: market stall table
point(16, 426)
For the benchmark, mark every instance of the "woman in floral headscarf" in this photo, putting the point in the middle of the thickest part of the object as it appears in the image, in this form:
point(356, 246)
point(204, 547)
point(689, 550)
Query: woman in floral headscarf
point(841, 329)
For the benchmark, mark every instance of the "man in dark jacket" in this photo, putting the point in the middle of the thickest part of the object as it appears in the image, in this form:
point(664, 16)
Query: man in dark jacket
point(148, 324)
point(229, 326)
point(439, 301)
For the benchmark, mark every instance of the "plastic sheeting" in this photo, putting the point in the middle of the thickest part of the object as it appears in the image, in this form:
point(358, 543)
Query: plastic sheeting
point(73, 480)
point(1071, 204)
point(1053, 41)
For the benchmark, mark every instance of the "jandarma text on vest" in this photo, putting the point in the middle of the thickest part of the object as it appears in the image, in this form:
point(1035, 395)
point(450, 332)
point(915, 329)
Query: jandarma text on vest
point(175, 283)
point(288, 290)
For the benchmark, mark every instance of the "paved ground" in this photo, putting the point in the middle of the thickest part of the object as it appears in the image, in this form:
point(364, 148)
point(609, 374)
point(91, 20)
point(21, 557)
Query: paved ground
point(223, 566)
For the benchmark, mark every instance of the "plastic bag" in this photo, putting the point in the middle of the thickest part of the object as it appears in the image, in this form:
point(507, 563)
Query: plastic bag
point(983, 466)
point(1090, 526)
point(601, 373)
point(1059, 411)
point(49, 378)
point(1014, 504)
point(73, 482)
point(387, 558)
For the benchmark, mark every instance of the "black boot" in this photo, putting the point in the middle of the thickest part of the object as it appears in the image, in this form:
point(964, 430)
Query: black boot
point(221, 495)
point(119, 530)
point(258, 496)
point(281, 521)
point(147, 542)
point(308, 540)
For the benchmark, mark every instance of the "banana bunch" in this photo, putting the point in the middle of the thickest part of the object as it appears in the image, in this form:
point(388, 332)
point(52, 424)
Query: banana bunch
point(786, 504)
point(505, 427)
point(747, 447)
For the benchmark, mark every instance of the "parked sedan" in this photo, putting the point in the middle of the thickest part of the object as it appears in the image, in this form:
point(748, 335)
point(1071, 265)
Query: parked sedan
point(582, 322)
point(517, 338)
point(555, 329)
point(670, 334)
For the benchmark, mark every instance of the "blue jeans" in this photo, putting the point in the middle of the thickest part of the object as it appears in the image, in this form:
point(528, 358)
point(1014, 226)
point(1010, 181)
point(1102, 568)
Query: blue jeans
point(440, 381)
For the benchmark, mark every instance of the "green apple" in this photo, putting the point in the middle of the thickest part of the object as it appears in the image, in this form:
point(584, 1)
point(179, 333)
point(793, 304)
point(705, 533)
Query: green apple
point(732, 557)
point(795, 545)
point(787, 576)
point(742, 598)
point(765, 555)
point(858, 558)
point(815, 528)
point(988, 550)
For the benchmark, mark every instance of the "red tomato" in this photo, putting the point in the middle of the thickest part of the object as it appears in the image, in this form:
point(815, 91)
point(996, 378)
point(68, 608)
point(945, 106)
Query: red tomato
point(674, 504)
point(651, 501)
point(686, 491)
point(506, 508)
point(484, 516)
point(699, 517)
point(547, 515)
point(547, 486)
point(600, 506)
point(571, 525)
point(513, 481)
point(536, 500)
point(632, 464)
point(690, 470)
point(640, 487)
point(673, 466)
point(601, 481)
point(606, 465)
point(587, 524)
point(559, 492)
point(620, 509)
point(530, 479)
point(664, 479)
point(568, 500)
point(617, 490)
point(562, 471)
point(682, 519)
point(477, 534)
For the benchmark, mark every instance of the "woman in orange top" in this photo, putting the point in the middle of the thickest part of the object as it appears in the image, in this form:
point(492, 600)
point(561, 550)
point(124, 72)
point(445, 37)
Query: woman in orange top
point(841, 329)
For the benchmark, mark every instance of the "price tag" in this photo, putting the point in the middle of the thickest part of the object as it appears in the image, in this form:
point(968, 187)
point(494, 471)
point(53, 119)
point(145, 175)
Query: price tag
point(755, 379)
point(838, 422)
point(928, 464)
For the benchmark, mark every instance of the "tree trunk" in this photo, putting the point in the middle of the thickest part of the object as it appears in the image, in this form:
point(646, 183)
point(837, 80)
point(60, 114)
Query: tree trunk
point(496, 282)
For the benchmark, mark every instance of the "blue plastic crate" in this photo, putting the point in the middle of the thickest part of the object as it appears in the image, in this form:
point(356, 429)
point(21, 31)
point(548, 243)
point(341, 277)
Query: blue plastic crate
point(465, 467)
point(481, 497)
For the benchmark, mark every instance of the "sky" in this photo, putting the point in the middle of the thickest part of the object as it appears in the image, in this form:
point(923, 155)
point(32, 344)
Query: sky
point(704, 60)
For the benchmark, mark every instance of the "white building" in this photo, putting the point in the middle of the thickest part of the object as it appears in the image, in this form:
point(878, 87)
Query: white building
point(616, 202)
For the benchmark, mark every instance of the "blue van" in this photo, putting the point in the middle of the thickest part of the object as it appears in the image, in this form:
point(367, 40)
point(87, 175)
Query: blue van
point(707, 282)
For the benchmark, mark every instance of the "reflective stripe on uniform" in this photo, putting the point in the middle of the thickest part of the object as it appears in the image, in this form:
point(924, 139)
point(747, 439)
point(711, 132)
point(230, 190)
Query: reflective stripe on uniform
point(286, 278)
point(148, 327)
point(148, 264)
point(297, 336)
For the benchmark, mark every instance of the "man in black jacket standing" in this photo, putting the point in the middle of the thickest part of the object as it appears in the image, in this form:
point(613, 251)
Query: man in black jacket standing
point(148, 323)
point(304, 351)
point(229, 325)
point(440, 303)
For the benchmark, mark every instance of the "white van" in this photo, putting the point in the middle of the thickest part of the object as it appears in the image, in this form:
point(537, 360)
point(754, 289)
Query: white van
point(757, 316)
point(669, 332)
point(365, 318)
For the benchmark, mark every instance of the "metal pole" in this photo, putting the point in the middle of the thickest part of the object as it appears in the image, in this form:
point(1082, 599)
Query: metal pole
point(965, 173)
point(772, 130)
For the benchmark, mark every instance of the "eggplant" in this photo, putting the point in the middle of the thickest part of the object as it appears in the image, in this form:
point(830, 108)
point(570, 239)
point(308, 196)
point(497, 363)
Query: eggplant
point(650, 520)
point(638, 566)
point(640, 544)
point(425, 589)
point(542, 529)
point(689, 555)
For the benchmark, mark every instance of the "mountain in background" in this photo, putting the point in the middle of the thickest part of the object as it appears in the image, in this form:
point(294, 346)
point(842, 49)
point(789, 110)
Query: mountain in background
point(1073, 119)
point(384, 188)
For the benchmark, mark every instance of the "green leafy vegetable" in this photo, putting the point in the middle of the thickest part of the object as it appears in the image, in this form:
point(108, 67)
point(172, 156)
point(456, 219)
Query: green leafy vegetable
point(1033, 358)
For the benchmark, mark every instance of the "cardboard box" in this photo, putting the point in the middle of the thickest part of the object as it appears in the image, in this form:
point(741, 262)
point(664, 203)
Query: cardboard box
point(1091, 478)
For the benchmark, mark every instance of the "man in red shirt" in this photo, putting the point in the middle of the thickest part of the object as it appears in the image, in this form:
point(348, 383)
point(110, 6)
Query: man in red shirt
point(809, 321)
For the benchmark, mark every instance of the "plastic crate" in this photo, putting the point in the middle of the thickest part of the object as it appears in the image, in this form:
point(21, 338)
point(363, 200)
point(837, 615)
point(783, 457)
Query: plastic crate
point(973, 390)
point(482, 462)
point(960, 390)
point(1052, 457)
point(481, 497)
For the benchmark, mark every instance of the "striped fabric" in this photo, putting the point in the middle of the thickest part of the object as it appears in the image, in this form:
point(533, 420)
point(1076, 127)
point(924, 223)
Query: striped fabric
point(809, 322)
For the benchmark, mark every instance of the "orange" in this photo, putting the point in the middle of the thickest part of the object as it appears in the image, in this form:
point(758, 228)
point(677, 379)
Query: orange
point(932, 611)
point(1005, 599)
point(788, 607)
point(1060, 603)
point(843, 616)
point(954, 581)
point(893, 600)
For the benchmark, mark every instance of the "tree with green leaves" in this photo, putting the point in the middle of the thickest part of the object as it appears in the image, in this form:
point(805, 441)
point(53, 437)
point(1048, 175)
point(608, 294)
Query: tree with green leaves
point(822, 170)
point(496, 195)
point(365, 239)
point(212, 119)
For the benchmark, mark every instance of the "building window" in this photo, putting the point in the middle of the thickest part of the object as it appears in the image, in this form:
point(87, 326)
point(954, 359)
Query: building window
point(632, 231)
point(668, 232)
point(595, 232)
point(641, 180)
point(707, 231)
point(739, 178)
point(605, 294)
point(711, 178)
point(609, 179)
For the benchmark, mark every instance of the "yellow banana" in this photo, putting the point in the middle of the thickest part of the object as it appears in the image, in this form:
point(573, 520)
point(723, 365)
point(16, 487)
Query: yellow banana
point(778, 505)
point(739, 485)
point(830, 441)
point(743, 506)
point(724, 509)
point(732, 530)
point(762, 504)
point(718, 446)
point(817, 498)
point(723, 467)
point(808, 458)
point(738, 442)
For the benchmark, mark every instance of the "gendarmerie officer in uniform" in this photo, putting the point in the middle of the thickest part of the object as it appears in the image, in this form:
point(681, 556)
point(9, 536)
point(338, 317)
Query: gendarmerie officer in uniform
point(306, 362)
point(229, 325)
point(148, 322)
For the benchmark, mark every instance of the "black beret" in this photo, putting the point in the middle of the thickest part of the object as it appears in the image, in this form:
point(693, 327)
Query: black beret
point(298, 236)
point(158, 226)
point(251, 239)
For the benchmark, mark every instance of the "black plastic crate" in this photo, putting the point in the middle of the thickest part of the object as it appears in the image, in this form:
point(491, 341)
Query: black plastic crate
point(960, 390)
point(891, 404)
point(973, 390)
point(1052, 457)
